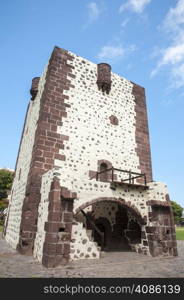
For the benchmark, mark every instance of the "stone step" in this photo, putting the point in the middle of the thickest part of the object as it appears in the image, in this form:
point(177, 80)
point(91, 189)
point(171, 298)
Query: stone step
point(98, 247)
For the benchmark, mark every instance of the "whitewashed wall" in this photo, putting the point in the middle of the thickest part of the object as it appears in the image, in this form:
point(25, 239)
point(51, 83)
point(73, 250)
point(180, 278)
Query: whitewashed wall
point(42, 214)
point(23, 163)
point(91, 135)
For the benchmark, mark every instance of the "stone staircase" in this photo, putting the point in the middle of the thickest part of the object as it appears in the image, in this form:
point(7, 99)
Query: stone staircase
point(89, 234)
point(82, 244)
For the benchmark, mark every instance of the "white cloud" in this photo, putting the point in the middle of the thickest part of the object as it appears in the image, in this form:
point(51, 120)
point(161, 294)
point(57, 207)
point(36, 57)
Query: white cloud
point(114, 52)
point(136, 6)
point(93, 12)
point(178, 76)
point(173, 55)
point(125, 22)
point(110, 52)
point(174, 20)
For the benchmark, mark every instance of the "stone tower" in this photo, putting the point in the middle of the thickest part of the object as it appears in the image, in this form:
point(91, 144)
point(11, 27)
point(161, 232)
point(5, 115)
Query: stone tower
point(83, 179)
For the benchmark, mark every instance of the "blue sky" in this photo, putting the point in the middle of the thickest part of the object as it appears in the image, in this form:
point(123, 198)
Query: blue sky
point(143, 40)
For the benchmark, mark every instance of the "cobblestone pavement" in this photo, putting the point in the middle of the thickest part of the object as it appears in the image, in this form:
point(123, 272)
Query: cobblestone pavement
point(111, 265)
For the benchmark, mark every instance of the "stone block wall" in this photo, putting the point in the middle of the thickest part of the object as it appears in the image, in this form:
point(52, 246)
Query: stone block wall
point(78, 119)
point(92, 136)
point(56, 248)
point(23, 167)
point(43, 211)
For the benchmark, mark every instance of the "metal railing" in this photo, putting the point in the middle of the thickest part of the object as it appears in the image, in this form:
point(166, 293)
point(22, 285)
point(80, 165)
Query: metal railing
point(112, 176)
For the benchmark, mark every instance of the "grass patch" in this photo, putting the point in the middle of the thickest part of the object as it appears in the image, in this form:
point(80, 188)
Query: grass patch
point(180, 233)
point(1, 228)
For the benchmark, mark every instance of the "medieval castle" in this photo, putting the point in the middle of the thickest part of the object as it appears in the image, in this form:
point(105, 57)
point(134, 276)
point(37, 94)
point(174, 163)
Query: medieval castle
point(83, 181)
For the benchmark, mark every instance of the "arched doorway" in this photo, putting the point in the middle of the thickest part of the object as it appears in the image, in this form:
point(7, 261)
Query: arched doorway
point(114, 235)
point(119, 223)
point(97, 238)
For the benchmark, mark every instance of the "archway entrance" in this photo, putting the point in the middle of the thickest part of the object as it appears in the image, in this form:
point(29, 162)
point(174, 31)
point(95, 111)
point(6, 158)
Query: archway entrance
point(114, 225)
point(97, 238)
point(114, 234)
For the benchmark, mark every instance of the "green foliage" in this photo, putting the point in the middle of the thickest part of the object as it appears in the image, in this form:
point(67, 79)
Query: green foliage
point(3, 204)
point(6, 179)
point(177, 211)
point(180, 233)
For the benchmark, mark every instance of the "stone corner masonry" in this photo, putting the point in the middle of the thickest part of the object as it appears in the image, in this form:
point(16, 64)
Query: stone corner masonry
point(83, 120)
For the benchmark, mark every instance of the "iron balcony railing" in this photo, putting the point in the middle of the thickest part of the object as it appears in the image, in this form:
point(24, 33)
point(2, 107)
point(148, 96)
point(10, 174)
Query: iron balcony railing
point(112, 176)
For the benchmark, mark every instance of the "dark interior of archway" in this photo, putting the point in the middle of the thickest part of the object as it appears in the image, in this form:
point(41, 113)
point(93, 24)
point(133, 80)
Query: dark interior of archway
point(97, 237)
point(119, 237)
point(133, 232)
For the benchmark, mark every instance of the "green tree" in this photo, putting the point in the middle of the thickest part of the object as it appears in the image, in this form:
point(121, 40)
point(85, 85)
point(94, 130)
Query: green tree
point(177, 211)
point(6, 179)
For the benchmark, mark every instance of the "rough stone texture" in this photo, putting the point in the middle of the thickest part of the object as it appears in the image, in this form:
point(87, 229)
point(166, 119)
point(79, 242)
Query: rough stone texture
point(34, 87)
point(23, 163)
point(142, 132)
point(158, 203)
point(43, 211)
point(84, 118)
point(58, 227)
point(82, 244)
point(110, 265)
point(162, 238)
point(104, 77)
point(47, 142)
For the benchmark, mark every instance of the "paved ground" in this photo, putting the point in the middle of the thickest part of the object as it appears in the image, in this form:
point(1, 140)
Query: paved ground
point(111, 265)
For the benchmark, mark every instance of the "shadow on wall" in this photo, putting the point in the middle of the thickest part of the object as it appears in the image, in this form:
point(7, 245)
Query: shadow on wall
point(123, 235)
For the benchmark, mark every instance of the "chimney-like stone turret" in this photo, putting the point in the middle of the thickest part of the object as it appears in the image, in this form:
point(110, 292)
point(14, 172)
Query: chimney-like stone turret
point(104, 77)
point(34, 87)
